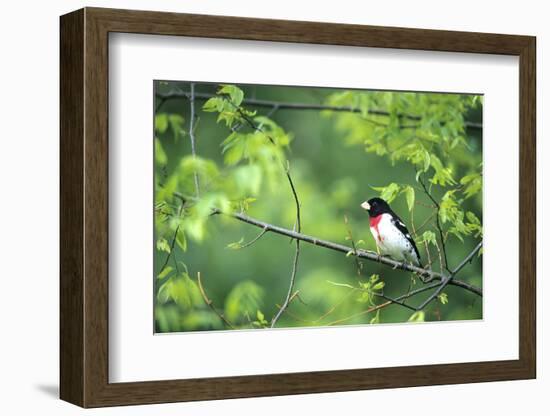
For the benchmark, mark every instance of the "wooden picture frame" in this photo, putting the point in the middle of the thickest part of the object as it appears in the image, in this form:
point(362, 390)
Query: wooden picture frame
point(84, 207)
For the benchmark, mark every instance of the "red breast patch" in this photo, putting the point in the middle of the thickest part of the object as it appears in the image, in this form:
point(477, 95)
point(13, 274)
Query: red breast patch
point(374, 221)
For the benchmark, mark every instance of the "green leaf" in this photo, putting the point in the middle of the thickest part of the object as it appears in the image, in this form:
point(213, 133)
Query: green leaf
point(234, 154)
point(429, 237)
point(160, 155)
point(195, 228)
point(244, 299)
point(472, 184)
point(449, 209)
point(163, 294)
point(206, 169)
point(443, 298)
point(443, 176)
point(454, 231)
point(161, 122)
point(388, 193)
point(214, 104)
point(248, 179)
point(162, 245)
point(427, 160)
point(165, 272)
point(418, 316)
point(176, 124)
point(409, 194)
point(234, 92)
point(236, 245)
point(185, 292)
point(181, 290)
point(181, 240)
point(470, 216)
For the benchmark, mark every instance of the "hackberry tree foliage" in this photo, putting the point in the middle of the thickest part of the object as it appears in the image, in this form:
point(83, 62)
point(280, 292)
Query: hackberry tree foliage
point(257, 206)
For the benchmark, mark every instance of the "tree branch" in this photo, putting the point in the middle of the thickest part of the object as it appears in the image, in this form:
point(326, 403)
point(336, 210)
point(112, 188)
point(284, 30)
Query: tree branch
point(303, 106)
point(448, 279)
point(345, 249)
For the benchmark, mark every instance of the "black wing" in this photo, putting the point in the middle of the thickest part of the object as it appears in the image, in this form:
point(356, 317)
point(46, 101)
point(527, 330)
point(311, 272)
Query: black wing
point(403, 228)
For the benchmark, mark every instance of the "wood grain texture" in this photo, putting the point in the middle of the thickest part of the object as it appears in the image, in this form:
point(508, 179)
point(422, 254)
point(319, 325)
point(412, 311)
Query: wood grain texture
point(84, 207)
point(527, 208)
point(71, 213)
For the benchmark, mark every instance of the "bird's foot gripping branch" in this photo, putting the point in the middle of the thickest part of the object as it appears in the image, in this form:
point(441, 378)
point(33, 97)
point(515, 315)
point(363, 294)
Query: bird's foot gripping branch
point(441, 279)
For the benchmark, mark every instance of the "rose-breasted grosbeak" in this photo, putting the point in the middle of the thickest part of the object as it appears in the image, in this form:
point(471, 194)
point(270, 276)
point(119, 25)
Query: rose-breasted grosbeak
point(390, 233)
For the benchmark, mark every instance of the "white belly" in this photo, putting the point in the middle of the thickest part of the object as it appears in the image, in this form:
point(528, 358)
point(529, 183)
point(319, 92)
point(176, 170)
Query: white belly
point(391, 242)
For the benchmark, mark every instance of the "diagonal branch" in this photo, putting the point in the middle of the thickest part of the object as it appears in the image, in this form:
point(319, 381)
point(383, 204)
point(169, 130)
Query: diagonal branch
point(467, 259)
point(288, 298)
point(210, 304)
point(386, 304)
point(262, 233)
point(369, 255)
point(448, 279)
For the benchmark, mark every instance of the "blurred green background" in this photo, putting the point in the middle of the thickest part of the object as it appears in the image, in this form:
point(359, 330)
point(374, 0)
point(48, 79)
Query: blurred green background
point(336, 159)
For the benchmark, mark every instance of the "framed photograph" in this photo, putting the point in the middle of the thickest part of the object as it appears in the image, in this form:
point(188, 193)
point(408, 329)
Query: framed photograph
point(262, 207)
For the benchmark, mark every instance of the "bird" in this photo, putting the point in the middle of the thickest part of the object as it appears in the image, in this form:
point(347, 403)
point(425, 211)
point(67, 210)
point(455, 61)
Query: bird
point(390, 232)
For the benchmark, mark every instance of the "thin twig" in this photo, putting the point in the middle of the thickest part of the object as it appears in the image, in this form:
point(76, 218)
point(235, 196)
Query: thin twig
point(426, 222)
point(265, 230)
point(295, 295)
point(397, 301)
point(171, 250)
point(174, 237)
point(211, 304)
point(354, 246)
point(192, 133)
point(290, 286)
point(385, 304)
point(437, 222)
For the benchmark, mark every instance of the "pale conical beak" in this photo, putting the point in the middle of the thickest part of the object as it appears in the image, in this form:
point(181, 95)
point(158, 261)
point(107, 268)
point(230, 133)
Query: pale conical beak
point(365, 205)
